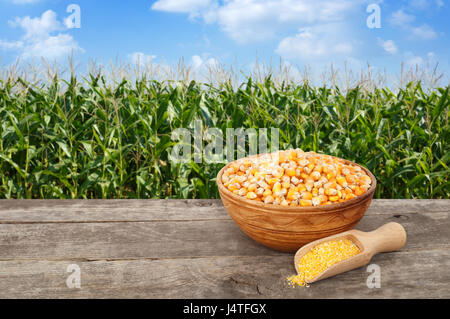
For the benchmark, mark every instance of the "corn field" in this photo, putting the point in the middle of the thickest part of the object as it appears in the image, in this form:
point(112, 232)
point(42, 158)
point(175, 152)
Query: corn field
point(83, 138)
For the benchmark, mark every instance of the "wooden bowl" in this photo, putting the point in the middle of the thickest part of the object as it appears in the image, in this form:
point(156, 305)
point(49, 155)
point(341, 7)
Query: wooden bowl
point(289, 228)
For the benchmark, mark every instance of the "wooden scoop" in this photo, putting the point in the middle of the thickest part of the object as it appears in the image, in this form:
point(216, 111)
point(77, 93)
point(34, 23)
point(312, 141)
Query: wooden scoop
point(390, 237)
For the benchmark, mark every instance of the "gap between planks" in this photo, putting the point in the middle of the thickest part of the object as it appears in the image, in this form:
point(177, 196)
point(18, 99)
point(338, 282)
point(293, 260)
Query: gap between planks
point(130, 211)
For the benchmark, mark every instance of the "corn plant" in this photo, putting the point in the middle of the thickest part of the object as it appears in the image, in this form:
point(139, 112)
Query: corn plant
point(86, 138)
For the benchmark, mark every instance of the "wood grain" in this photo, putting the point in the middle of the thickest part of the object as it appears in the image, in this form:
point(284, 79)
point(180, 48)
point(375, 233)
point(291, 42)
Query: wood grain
point(403, 275)
point(47, 211)
point(192, 249)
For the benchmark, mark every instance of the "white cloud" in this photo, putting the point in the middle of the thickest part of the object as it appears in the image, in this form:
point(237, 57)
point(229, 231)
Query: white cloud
point(405, 21)
point(10, 45)
point(420, 4)
point(204, 9)
point(253, 20)
point(196, 62)
point(326, 33)
point(198, 67)
point(414, 61)
point(389, 46)
point(314, 44)
point(401, 19)
point(439, 3)
point(181, 6)
point(202, 63)
point(325, 25)
point(25, 1)
point(39, 27)
point(141, 58)
point(425, 4)
point(424, 32)
point(39, 39)
point(256, 20)
point(52, 47)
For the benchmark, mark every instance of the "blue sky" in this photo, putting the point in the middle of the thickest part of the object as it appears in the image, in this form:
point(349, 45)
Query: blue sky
point(300, 32)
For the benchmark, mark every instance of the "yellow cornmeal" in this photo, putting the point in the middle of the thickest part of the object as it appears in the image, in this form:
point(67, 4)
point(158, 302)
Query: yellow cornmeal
point(322, 257)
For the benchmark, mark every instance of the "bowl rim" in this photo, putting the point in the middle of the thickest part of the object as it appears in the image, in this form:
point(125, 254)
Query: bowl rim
point(299, 209)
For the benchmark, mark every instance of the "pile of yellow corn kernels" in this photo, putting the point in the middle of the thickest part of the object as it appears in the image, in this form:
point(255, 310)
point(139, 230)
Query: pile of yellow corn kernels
point(322, 257)
point(296, 178)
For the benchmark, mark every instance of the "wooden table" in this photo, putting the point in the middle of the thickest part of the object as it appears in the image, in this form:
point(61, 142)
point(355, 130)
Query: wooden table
point(192, 249)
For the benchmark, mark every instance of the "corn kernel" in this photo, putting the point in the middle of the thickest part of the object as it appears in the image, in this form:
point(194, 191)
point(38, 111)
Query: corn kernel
point(359, 191)
point(260, 192)
point(305, 203)
point(315, 175)
point(269, 200)
point(292, 155)
point(293, 195)
point(342, 181)
point(290, 172)
point(276, 188)
point(350, 178)
point(267, 193)
point(242, 192)
point(252, 187)
point(315, 191)
point(316, 201)
point(303, 162)
point(322, 257)
point(307, 195)
point(333, 198)
point(284, 177)
point(251, 195)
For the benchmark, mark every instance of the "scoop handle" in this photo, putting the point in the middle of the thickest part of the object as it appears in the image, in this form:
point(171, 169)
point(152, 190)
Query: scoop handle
point(387, 238)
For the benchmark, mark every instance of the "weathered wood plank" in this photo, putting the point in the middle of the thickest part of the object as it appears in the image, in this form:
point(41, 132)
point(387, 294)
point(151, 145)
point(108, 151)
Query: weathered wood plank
point(403, 275)
point(169, 239)
point(192, 249)
point(47, 211)
point(406, 206)
point(125, 240)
